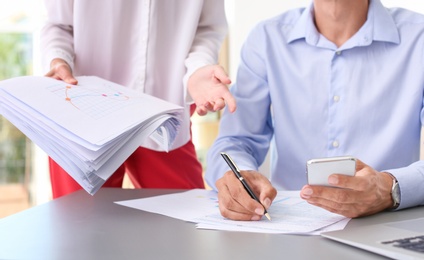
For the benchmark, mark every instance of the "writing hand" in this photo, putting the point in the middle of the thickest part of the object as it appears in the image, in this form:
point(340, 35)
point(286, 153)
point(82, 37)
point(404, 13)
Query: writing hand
point(234, 201)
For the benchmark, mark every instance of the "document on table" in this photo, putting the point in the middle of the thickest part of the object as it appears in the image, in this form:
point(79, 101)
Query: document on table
point(91, 128)
point(290, 214)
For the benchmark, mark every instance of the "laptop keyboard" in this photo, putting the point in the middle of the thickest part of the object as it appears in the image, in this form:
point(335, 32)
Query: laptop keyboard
point(411, 243)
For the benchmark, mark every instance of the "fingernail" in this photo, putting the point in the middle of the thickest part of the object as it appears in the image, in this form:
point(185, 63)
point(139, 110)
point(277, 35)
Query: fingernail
point(267, 203)
point(259, 211)
point(307, 191)
point(333, 180)
point(256, 217)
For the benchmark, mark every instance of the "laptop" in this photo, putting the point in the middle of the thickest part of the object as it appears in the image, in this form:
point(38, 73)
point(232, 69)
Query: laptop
point(397, 240)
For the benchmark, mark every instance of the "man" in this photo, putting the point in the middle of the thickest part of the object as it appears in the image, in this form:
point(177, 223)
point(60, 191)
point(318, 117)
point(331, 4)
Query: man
point(167, 49)
point(339, 77)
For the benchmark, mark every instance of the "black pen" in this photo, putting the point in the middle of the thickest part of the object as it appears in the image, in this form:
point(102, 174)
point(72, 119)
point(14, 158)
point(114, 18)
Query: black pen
point(236, 171)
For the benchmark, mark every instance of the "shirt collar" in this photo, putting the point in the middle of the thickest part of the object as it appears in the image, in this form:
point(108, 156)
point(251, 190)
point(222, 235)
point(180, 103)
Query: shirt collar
point(385, 28)
point(305, 27)
point(379, 26)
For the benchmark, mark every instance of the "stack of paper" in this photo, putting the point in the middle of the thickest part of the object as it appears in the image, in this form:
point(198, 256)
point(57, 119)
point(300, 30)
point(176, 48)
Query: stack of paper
point(91, 128)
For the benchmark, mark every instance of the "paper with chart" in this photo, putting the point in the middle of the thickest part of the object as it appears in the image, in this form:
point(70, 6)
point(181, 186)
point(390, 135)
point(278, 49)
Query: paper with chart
point(91, 128)
point(290, 214)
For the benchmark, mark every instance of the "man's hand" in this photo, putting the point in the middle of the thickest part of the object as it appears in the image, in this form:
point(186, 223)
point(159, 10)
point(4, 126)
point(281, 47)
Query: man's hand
point(234, 201)
point(59, 69)
point(208, 88)
point(366, 193)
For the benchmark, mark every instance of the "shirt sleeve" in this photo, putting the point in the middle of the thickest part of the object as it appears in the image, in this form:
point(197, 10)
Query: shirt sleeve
point(56, 37)
point(411, 184)
point(211, 31)
point(411, 179)
point(246, 134)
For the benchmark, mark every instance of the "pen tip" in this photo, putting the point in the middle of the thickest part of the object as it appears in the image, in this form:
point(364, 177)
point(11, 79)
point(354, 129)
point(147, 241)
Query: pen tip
point(268, 216)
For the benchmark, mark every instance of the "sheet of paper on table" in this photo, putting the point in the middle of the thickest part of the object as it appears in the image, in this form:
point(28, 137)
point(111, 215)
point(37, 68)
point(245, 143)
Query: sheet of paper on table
point(290, 214)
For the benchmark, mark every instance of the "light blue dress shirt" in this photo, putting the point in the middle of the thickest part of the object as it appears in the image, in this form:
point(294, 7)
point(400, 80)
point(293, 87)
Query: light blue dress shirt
point(304, 97)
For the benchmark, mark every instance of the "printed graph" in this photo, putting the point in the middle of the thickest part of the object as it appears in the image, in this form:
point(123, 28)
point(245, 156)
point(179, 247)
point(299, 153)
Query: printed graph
point(94, 101)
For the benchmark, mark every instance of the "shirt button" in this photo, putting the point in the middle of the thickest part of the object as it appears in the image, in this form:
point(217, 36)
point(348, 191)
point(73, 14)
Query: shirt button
point(335, 144)
point(336, 98)
point(338, 52)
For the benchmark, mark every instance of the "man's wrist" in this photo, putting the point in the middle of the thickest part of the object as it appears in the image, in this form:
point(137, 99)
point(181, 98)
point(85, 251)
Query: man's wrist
point(395, 192)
